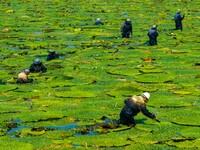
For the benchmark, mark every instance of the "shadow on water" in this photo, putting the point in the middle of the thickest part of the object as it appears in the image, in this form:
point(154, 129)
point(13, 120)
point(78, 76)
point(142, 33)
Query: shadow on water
point(140, 121)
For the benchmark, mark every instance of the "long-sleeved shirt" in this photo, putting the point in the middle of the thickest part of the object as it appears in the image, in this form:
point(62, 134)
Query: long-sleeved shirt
point(135, 104)
point(22, 77)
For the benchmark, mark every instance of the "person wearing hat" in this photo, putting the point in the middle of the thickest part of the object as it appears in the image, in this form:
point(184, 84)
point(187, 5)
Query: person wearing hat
point(126, 29)
point(23, 77)
point(133, 105)
point(178, 20)
point(37, 66)
point(98, 21)
point(153, 34)
point(52, 55)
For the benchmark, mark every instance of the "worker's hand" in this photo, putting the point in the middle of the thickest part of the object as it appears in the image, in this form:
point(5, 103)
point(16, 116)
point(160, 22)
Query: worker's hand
point(153, 116)
point(156, 119)
point(132, 125)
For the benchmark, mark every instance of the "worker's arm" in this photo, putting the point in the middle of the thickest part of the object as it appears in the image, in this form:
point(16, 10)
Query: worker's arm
point(147, 113)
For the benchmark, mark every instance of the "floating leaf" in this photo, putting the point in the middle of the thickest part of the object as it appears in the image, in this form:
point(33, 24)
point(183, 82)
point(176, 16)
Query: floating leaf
point(123, 71)
point(125, 90)
point(154, 78)
point(25, 132)
point(156, 70)
point(181, 92)
point(16, 145)
point(75, 94)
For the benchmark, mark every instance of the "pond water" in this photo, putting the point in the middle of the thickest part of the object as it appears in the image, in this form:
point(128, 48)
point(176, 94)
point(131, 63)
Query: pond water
point(15, 130)
point(90, 133)
point(70, 46)
point(118, 67)
point(65, 127)
point(14, 48)
point(37, 32)
point(38, 39)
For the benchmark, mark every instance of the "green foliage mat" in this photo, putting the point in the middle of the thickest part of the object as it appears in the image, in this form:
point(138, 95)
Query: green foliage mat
point(68, 107)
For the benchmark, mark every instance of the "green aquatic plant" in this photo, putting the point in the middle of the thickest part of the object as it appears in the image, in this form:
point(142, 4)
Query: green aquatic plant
point(125, 90)
point(95, 72)
point(155, 78)
point(17, 145)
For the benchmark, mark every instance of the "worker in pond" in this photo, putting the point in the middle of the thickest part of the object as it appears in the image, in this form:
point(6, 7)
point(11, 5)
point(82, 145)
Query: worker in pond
point(133, 105)
point(178, 20)
point(37, 66)
point(23, 77)
point(153, 34)
point(52, 55)
point(98, 21)
point(126, 29)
